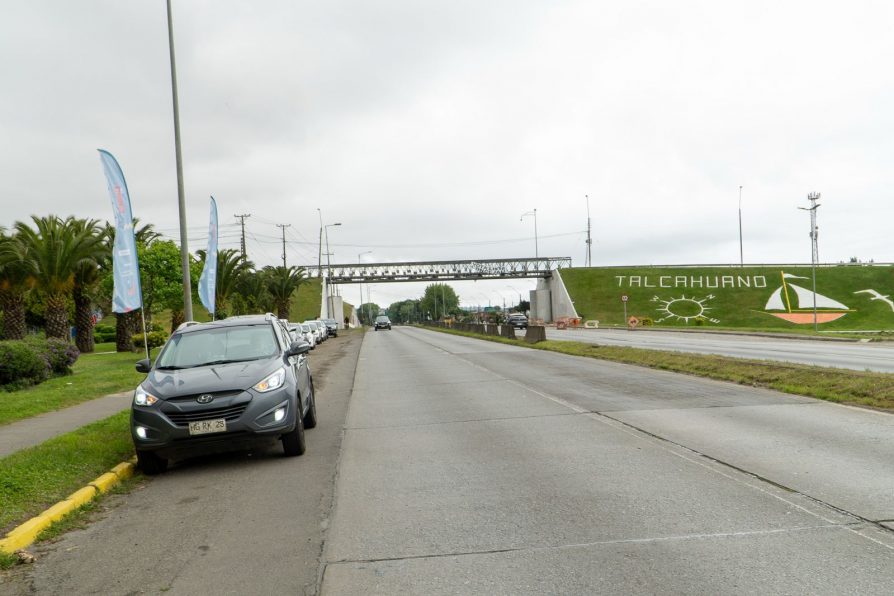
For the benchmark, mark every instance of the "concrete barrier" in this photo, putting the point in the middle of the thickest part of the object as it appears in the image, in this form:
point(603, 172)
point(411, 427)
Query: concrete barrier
point(507, 331)
point(535, 334)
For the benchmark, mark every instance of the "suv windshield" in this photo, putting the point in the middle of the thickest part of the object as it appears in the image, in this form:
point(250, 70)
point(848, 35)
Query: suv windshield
point(218, 346)
point(381, 319)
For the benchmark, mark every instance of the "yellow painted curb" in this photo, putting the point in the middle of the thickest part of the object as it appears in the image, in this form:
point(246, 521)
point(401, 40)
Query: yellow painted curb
point(25, 534)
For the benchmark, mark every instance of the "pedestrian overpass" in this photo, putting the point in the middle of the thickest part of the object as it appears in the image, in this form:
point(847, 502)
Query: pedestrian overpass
point(549, 300)
point(436, 271)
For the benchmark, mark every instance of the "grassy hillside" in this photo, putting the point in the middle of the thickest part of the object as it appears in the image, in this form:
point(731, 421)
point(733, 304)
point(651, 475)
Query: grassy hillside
point(306, 303)
point(733, 297)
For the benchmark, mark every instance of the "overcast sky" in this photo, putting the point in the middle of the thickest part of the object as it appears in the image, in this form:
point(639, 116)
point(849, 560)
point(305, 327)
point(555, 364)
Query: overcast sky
point(427, 128)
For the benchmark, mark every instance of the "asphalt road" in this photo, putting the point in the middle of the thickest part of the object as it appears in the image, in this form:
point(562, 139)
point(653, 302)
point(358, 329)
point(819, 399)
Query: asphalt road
point(448, 465)
point(838, 354)
point(474, 467)
point(241, 523)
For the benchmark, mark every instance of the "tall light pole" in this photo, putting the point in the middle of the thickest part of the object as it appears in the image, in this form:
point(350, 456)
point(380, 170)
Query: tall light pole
point(741, 257)
point(523, 216)
point(589, 239)
point(320, 254)
point(517, 292)
point(181, 199)
point(360, 305)
point(814, 247)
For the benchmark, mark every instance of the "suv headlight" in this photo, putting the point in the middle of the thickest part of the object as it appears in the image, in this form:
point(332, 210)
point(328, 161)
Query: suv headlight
point(142, 398)
point(274, 381)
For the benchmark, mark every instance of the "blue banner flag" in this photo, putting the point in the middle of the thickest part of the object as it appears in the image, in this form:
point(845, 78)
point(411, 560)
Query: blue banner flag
point(208, 280)
point(127, 294)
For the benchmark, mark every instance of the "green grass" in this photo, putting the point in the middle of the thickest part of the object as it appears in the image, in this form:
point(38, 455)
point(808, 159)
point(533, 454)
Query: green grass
point(875, 390)
point(597, 292)
point(36, 478)
point(95, 375)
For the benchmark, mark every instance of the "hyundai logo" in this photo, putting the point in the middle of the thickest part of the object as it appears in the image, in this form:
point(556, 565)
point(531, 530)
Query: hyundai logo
point(205, 398)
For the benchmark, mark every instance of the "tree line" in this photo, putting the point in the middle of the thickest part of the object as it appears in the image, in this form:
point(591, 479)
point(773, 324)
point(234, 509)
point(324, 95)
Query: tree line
point(56, 272)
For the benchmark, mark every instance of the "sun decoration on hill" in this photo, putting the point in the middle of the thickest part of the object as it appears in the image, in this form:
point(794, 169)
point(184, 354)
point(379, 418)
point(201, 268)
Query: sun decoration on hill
point(684, 309)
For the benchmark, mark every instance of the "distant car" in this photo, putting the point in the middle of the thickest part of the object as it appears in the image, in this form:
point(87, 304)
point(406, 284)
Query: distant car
point(332, 326)
point(317, 328)
point(518, 321)
point(382, 322)
point(221, 386)
point(300, 331)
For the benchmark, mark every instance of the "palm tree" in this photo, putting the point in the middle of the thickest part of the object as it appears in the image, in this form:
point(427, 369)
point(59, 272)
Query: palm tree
point(55, 250)
point(15, 281)
point(251, 293)
point(86, 277)
point(281, 283)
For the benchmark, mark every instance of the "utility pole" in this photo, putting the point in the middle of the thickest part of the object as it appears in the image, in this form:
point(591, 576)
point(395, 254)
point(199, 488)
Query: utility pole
point(814, 247)
point(589, 239)
point(181, 198)
point(741, 258)
point(283, 226)
point(241, 219)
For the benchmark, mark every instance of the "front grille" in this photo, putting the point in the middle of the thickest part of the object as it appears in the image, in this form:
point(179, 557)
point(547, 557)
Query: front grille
point(229, 414)
point(216, 394)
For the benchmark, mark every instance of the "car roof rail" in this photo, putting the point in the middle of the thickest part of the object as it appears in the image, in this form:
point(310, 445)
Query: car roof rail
point(186, 324)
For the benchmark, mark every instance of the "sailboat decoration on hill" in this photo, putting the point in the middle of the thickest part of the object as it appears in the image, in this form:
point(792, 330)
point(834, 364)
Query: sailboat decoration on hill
point(797, 304)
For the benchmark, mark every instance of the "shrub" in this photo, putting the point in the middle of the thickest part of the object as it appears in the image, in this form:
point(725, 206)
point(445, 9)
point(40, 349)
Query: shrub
point(21, 364)
point(61, 355)
point(156, 338)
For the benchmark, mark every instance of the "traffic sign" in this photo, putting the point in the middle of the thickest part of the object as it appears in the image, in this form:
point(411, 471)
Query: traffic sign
point(624, 298)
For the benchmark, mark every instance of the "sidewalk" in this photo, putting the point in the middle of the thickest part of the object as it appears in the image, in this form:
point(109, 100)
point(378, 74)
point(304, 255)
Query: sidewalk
point(34, 431)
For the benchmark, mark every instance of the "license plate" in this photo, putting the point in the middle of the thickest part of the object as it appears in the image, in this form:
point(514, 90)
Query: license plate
point(203, 427)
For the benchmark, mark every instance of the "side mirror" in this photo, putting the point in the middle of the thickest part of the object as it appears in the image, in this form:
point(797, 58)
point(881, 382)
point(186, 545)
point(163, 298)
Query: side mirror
point(144, 365)
point(297, 348)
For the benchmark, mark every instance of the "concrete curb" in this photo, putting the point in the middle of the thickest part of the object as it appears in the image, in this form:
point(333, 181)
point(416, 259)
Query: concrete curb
point(25, 534)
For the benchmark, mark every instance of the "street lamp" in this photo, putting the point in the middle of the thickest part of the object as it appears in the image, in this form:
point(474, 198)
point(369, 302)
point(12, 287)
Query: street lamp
point(523, 216)
point(741, 258)
point(519, 294)
point(814, 248)
point(361, 280)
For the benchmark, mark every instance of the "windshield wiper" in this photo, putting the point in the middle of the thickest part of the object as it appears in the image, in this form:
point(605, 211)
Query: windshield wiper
point(225, 361)
point(171, 367)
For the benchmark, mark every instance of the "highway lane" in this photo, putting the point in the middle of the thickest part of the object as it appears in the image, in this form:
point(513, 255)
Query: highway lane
point(474, 467)
point(878, 356)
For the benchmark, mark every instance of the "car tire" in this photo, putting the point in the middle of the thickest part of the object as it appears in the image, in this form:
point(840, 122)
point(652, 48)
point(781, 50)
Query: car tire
point(310, 419)
point(293, 442)
point(151, 463)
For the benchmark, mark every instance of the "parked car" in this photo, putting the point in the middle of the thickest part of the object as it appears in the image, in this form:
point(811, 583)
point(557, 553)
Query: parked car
point(317, 328)
point(518, 321)
point(300, 331)
point(221, 386)
point(383, 322)
point(331, 326)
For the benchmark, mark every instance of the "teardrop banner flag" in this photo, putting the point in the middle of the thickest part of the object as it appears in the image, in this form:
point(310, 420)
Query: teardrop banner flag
point(127, 294)
point(208, 280)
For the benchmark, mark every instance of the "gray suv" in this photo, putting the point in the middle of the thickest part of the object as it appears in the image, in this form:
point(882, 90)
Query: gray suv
point(222, 386)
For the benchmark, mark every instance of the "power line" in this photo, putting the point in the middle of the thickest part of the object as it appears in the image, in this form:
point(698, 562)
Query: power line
point(283, 226)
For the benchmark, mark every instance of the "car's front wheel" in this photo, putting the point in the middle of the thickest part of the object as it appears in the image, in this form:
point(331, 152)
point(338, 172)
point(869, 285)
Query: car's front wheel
point(310, 419)
point(151, 463)
point(293, 442)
